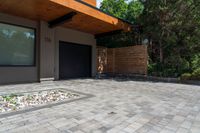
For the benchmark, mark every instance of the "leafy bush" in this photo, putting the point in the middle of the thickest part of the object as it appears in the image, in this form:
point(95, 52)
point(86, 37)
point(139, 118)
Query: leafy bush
point(155, 69)
point(168, 69)
point(186, 76)
point(151, 67)
point(196, 74)
point(170, 72)
point(196, 62)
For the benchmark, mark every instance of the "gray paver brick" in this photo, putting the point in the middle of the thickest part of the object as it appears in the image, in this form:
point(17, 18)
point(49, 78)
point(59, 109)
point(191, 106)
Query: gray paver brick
point(117, 107)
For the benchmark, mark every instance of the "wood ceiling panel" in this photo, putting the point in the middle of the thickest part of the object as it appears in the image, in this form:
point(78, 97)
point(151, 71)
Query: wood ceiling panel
point(93, 12)
point(33, 9)
point(91, 2)
point(89, 24)
point(87, 19)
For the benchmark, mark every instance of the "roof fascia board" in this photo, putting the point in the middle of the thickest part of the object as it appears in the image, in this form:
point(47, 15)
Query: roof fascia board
point(103, 11)
point(93, 12)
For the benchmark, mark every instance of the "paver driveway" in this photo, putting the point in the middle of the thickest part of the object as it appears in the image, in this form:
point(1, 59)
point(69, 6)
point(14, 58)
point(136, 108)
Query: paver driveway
point(117, 107)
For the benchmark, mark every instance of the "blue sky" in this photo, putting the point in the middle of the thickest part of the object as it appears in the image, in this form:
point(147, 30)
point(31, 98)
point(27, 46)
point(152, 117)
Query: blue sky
point(98, 2)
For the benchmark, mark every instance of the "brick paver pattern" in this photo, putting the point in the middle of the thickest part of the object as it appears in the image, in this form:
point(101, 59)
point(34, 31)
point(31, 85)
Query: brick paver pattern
point(117, 107)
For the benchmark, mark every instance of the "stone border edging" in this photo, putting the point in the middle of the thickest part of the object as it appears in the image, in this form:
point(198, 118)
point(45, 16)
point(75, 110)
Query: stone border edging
point(150, 78)
point(34, 108)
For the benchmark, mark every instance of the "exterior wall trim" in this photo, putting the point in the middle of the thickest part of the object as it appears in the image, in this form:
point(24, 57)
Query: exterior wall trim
point(36, 73)
point(76, 37)
point(20, 74)
point(35, 46)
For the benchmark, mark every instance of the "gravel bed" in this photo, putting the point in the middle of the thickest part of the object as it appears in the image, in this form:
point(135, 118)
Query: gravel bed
point(14, 102)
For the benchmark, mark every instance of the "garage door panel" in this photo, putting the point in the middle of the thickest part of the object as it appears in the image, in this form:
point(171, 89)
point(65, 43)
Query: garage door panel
point(74, 60)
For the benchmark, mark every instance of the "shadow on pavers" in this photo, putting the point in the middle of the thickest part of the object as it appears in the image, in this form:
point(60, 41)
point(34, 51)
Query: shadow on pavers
point(144, 78)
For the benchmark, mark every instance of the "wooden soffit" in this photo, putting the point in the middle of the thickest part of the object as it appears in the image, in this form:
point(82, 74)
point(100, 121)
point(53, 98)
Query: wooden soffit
point(91, 2)
point(87, 19)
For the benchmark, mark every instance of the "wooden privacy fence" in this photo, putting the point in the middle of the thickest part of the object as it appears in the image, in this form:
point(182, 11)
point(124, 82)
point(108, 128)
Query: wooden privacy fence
point(126, 60)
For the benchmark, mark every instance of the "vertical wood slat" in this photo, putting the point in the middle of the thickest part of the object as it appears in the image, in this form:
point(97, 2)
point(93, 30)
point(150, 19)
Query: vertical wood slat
point(126, 60)
point(102, 59)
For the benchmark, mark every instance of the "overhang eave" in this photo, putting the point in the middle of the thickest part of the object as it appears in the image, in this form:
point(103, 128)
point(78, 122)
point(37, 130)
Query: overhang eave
point(87, 19)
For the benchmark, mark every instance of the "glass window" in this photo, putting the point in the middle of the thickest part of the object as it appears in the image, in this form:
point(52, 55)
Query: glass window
point(17, 45)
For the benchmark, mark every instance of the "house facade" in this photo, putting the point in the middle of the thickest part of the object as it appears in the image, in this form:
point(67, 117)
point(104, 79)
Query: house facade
point(51, 39)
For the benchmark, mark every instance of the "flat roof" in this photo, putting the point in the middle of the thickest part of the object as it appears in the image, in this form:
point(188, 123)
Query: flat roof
point(87, 19)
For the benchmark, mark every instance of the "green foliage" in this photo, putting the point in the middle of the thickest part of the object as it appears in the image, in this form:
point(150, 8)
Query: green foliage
point(186, 76)
point(196, 62)
point(172, 28)
point(117, 8)
point(135, 9)
point(151, 67)
point(123, 9)
point(196, 74)
point(117, 40)
point(173, 67)
point(128, 11)
point(7, 98)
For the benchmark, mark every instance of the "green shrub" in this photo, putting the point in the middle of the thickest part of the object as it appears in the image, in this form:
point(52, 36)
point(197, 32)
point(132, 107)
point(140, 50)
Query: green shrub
point(151, 68)
point(196, 74)
point(196, 62)
point(169, 72)
point(186, 76)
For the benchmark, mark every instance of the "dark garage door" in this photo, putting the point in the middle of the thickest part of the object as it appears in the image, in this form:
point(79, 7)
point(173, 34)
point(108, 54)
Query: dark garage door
point(74, 60)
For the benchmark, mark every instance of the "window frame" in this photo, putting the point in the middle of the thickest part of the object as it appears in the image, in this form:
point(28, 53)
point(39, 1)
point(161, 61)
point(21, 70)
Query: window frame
point(35, 43)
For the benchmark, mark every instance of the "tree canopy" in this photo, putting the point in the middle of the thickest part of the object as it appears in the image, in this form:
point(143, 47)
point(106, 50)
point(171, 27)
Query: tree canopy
point(123, 9)
point(128, 11)
point(117, 8)
point(172, 28)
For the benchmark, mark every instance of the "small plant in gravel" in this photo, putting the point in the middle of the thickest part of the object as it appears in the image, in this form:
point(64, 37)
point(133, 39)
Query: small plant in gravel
point(15, 102)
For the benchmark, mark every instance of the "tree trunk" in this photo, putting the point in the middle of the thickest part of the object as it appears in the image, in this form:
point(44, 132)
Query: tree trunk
point(161, 53)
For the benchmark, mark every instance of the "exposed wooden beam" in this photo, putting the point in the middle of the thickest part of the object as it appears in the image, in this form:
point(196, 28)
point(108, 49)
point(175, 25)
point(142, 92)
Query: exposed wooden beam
point(61, 20)
point(108, 33)
point(94, 12)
